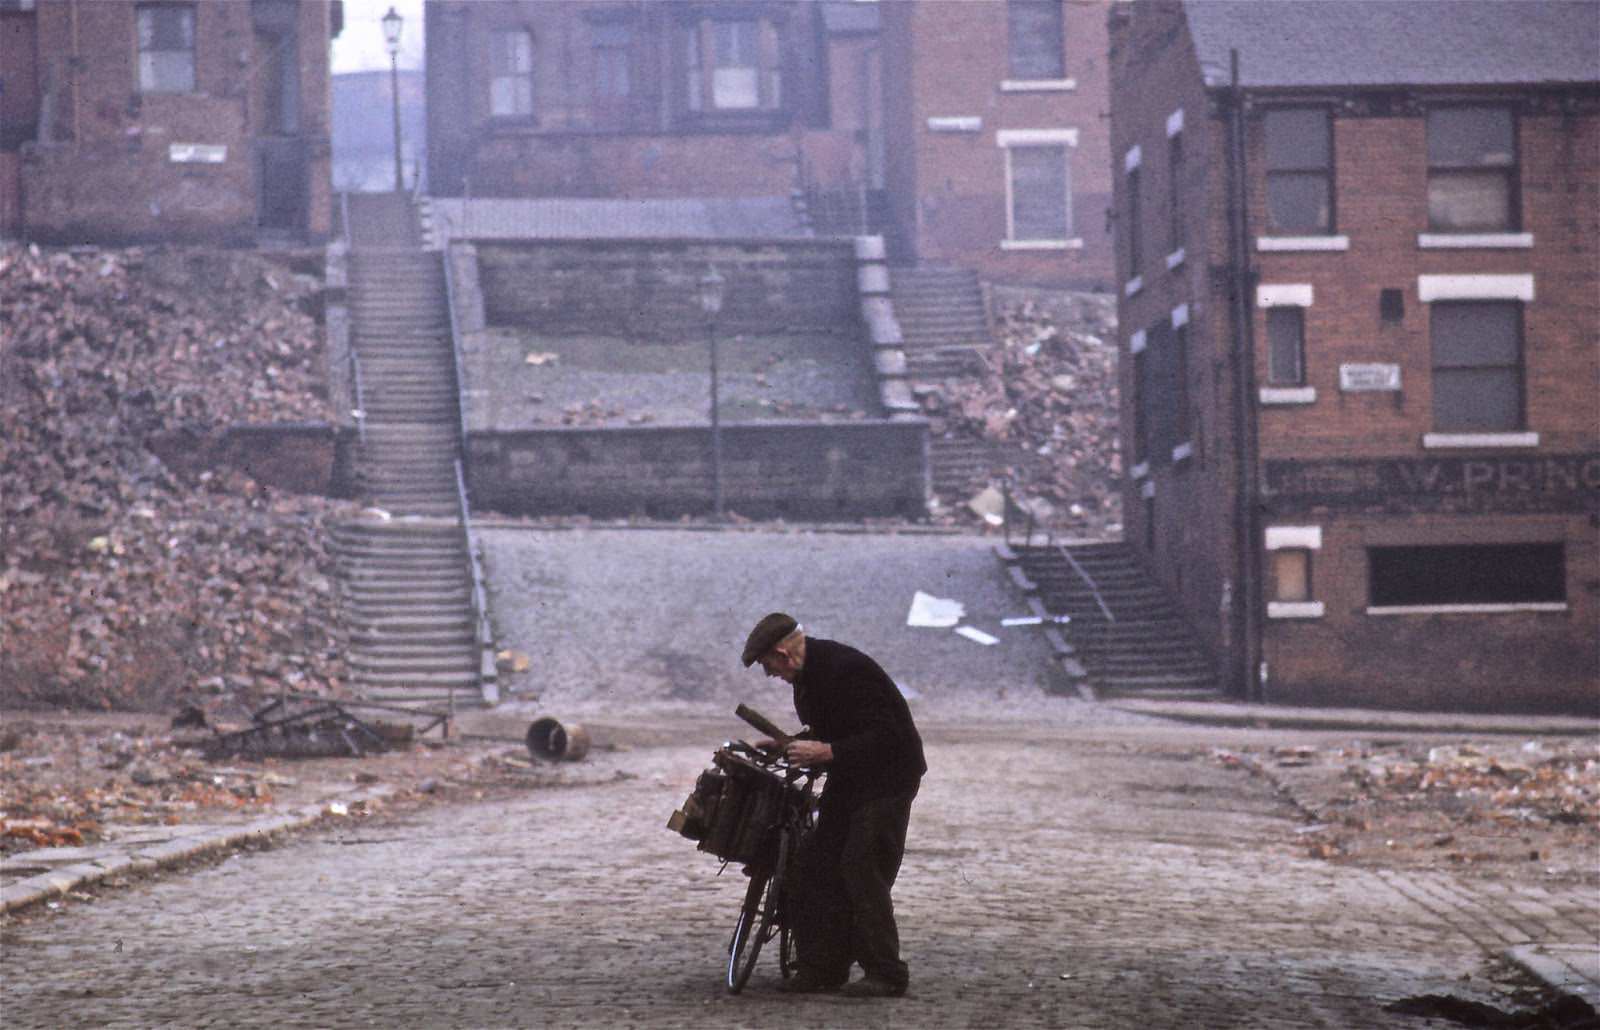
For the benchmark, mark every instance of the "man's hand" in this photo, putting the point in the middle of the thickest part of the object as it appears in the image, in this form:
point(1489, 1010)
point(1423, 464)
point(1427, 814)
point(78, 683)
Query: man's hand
point(809, 752)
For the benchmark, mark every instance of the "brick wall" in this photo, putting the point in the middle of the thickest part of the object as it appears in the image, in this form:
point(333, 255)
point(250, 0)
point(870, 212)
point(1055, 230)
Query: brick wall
point(949, 187)
point(103, 170)
point(1344, 654)
point(297, 457)
point(798, 470)
point(645, 287)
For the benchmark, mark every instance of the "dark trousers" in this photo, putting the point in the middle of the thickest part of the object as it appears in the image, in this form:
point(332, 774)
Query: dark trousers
point(843, 913)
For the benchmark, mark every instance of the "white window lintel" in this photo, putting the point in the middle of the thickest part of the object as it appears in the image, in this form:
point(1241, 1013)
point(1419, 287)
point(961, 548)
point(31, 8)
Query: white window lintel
point(1284, 295)
point(1038, 85)
point(1294, 609)
point(1174, 123)
point(1285, 538)
point(1036, 137)
point(1475, 287)
point(1180, 316)
point(1288, 395)
point(1133, 286)
point(1302, 243)
point(1445, 441)
point(1136, 341)
point(1132, 158)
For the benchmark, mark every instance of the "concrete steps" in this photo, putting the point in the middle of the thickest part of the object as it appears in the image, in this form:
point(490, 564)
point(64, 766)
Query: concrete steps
point(407, 579)
point(1144, 649)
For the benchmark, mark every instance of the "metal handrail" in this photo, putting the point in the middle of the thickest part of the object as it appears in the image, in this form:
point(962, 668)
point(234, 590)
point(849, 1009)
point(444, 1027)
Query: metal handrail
point(1083, 574)
point(344, 217)
point(455, 350)
point(480, 599)
point(360, 412)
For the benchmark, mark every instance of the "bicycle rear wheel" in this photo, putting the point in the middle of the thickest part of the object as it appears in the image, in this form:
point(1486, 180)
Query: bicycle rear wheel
point(752, 929)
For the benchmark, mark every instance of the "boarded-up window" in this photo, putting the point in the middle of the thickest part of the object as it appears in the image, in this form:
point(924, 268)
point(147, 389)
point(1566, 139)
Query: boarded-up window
point(1142, 391)
point(1041, 206)
point(1286, 346)
point(1477, 365)
point(1135, 231)
point(1175, 177)
point(1472, 169)
point(1467, 574)
point(166, 48)
point(1179, 371)
point(1291, 574)
point(1299, 170)
point(1035, 45)
point(511, 74)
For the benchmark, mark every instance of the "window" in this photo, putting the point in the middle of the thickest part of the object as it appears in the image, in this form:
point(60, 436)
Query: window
point(1141, 406)
point(1467, 574)
point(1472, 169)
point(1180, 384)
point(1477, 366)
point(511, 74)
point(732, 65)
point(1135, 255)
point(1034, 39)
point(611, 42)
point(1291, 574)
point(1175, 187)
point(1299, 171)
point(166, 48)
point(1040, 193)
point(1286, 346)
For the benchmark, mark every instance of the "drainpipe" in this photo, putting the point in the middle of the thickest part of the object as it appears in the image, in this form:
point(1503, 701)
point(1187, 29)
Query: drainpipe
point(1247, 510)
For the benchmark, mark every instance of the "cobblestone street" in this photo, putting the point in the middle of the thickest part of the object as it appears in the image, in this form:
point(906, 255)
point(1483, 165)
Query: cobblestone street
point(1059, 874)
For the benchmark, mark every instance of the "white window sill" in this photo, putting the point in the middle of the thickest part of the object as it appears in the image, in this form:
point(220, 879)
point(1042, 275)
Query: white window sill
point(1133, 286)
point(1294, 609)
point(1288, 395)
point(1475, 240)
point(1140, 470)
point(1302, 243)
point(1445, 441)
point(1038, 85)
point(1175, 259)
point(1148, 489)
point(1075, 244)
point(1468, 609)
point(1183, 452)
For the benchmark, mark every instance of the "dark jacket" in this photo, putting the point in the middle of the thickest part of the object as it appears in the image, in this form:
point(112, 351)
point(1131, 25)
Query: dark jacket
point(849, 702)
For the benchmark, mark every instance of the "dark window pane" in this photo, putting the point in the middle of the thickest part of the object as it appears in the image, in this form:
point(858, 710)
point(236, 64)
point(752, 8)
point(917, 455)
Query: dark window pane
point(1469, 201)
point(1471, 137)
point(1180, 384)
point(1476, 400)
point(1141, 405)
point(1039, 193)
point(1175, 177)
point(1286, 328)
point(1291, 575)
point(1135, 230)
point(1297, 139)
point(1475, 334)
point(1034, 34)
point(1298, 202)
point(1467, 574)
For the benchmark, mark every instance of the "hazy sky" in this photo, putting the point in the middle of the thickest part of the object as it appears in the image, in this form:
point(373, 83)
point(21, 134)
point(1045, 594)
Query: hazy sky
point(360, 46)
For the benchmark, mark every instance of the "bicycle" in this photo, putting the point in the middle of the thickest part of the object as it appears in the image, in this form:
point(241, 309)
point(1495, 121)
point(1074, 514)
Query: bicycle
point(765, 914)
point(755, 808)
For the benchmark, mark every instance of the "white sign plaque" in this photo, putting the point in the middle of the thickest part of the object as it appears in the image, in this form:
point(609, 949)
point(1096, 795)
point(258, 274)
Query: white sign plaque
point(1369, 378)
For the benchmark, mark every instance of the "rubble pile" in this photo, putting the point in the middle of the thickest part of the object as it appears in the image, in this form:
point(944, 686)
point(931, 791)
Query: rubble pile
point(61, 788)
point(1536, 784)
point(124, 583)
point(1046, 404)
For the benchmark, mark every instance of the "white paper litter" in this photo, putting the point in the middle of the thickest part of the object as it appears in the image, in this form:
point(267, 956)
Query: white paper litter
point(934, 612)
point(977, 634)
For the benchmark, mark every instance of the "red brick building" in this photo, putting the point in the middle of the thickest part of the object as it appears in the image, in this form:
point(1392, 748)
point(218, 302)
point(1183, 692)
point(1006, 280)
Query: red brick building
point(190, 120)
point(1360, 313)
point(630, 99)
point(997, 155)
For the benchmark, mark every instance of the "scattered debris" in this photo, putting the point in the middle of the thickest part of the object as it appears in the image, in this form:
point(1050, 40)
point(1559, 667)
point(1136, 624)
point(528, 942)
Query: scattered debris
point(934, 612)
point(289, 730)
point(977, 635)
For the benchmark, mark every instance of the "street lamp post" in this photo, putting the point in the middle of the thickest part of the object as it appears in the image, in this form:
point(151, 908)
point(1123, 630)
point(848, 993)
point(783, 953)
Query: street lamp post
point(391, 38)
point(711, 289)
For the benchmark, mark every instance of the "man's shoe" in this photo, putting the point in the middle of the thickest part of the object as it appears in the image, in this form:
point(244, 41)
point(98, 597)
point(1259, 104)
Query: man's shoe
point(870, 986)
point(808, 983)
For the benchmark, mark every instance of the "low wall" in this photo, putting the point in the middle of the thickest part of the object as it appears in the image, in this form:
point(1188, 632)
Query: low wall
point(650, 288)
point(796, 470)
point(298, 457)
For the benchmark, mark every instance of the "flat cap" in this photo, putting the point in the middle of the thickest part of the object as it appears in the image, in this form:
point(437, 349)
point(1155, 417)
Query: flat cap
point(769, 632)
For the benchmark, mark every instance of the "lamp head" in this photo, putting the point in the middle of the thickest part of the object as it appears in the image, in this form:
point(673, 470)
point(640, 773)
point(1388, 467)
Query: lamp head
point(711, 290)
point(391, 30)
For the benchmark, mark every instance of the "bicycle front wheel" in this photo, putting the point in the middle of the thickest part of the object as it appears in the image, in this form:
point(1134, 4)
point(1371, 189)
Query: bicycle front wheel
point(750, 932)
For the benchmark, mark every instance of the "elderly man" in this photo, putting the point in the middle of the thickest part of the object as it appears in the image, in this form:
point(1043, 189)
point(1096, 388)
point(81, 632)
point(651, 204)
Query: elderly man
point(859, 728)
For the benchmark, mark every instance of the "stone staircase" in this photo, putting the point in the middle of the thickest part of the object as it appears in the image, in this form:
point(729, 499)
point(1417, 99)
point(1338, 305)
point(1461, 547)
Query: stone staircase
point(946, 329)
point(413, 611)
point(941, 315)
point(1125, 636)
